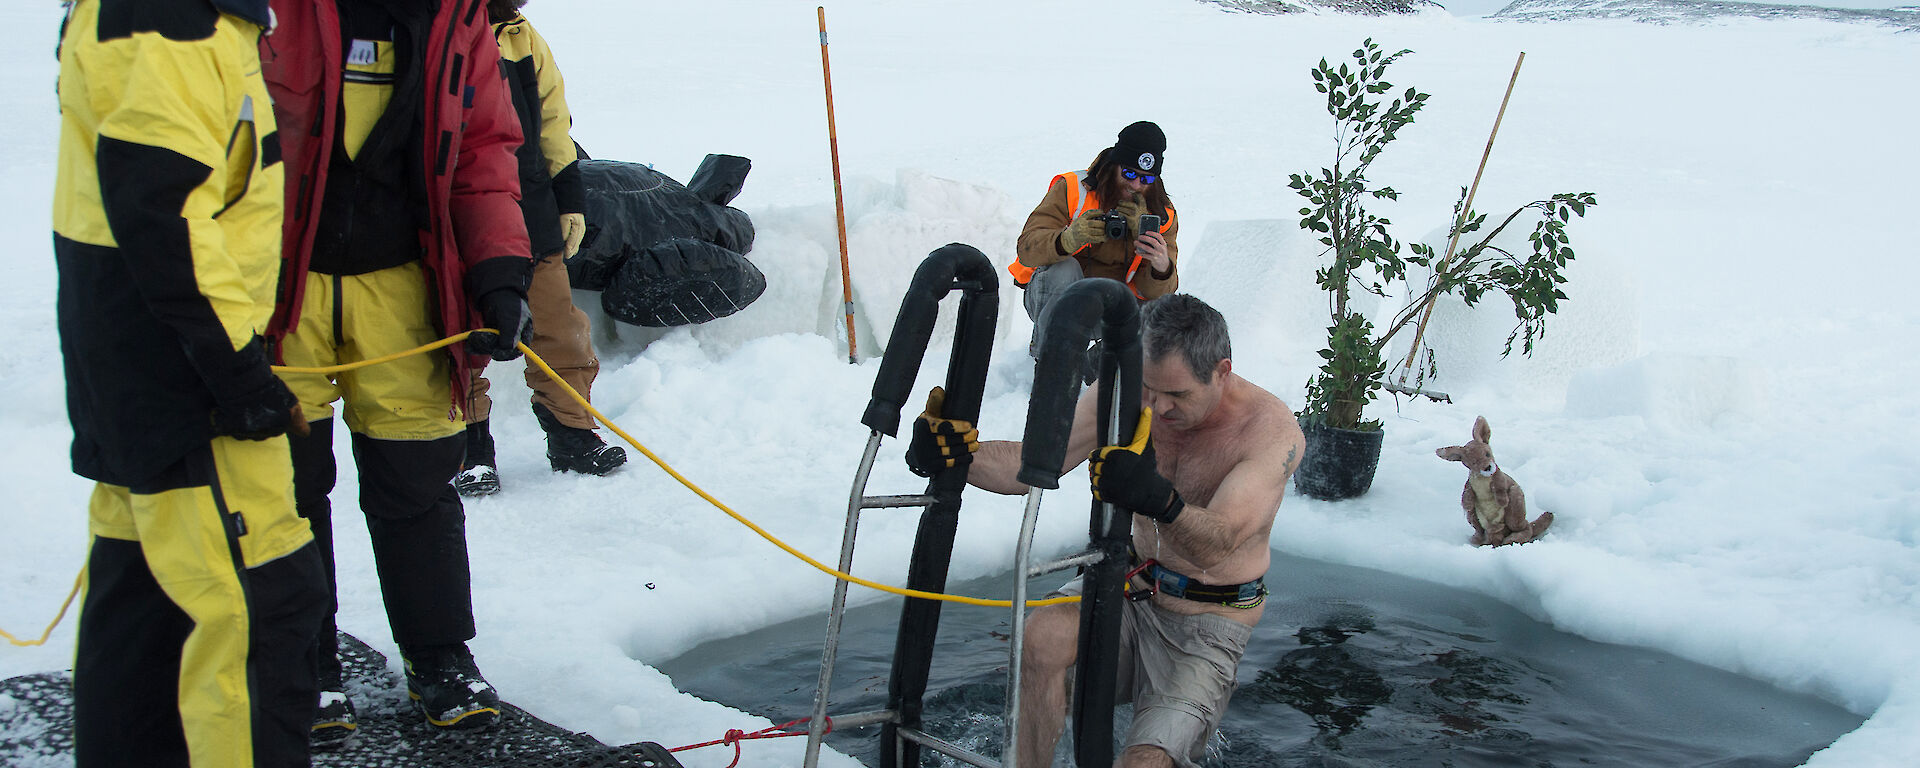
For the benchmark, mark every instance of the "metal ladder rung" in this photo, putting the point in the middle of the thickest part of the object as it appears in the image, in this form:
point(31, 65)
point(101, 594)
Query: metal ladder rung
point(863, 719)
point(888, 502)
point(1088, 557)
point(948, 748)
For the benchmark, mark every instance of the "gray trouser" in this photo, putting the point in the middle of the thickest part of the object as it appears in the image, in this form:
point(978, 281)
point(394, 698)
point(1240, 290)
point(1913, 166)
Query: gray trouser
point(1178, 670)
point(1047, 284)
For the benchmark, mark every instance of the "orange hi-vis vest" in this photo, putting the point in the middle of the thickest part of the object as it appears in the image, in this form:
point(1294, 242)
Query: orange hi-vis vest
point(1078, 204)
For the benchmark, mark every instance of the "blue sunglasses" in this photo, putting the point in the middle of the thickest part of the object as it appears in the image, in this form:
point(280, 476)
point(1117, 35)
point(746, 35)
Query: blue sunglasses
point(1132, 175)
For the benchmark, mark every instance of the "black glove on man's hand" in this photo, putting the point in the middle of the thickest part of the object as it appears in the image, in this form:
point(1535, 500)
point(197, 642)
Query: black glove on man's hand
point(249, 400)
point(268, 411)
point(505, 311)
point(1127, 475)
point(940, 443)
point(499, 290)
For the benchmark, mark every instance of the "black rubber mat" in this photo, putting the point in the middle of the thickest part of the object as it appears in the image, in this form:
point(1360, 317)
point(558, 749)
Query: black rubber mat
point(36, 728)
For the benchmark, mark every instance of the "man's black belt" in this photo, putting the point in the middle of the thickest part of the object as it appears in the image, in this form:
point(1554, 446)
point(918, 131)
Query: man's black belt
point(1173, 583)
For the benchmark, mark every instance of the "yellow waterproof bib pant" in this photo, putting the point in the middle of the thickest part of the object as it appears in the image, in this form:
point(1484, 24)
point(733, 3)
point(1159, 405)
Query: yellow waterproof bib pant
point(178, 576)
point(407, 445)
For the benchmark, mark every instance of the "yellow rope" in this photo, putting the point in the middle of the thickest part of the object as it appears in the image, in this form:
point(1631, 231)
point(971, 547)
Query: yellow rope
point(838, 574)
point(77, 580)
point(577, 397)
point(420, 350)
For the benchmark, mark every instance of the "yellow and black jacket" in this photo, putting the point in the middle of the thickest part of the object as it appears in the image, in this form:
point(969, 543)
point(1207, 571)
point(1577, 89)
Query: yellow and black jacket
point(166, 221)
point(550, 182)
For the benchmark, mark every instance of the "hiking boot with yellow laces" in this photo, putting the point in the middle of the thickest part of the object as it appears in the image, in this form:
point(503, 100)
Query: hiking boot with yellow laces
point(334, 723)
point(445, 685)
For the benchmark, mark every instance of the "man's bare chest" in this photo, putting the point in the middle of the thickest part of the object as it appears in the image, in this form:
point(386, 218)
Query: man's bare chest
point(1194, 471)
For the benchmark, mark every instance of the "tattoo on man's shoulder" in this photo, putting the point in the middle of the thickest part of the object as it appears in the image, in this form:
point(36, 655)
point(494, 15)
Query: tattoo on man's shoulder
point(1293, 456)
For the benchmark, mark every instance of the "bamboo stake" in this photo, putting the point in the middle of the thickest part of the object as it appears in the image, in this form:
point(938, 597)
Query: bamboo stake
point(1465, 209)
point(839, 201)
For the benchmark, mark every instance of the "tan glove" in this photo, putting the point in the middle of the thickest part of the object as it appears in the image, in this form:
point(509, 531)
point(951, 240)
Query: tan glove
point(940, 443)
point(1084, 231)
point(573, 227)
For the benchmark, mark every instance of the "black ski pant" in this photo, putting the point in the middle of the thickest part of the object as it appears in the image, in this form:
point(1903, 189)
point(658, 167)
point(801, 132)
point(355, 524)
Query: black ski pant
point(417, 528)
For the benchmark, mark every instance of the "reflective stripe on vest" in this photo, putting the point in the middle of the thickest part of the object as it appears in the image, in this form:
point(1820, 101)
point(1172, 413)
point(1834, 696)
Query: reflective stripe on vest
point(1076, 206)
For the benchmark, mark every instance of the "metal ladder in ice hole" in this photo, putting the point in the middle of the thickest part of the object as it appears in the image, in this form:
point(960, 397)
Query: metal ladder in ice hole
point(1103, 307)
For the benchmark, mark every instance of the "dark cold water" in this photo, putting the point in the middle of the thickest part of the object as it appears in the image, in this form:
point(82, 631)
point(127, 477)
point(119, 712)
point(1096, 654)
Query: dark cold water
point(1349, 667)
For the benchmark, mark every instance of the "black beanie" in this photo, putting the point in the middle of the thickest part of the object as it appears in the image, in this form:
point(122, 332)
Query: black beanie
point(1141, 147)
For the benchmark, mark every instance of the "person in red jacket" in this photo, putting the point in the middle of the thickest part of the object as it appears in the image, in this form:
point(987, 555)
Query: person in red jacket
point(402, 226)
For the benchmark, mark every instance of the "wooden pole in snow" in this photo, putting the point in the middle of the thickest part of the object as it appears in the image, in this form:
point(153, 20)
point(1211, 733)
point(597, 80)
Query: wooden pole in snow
point(839, 201)
point(1466, 209)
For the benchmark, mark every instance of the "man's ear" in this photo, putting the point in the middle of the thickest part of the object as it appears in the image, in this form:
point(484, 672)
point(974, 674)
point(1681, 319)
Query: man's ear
point(1222, 368)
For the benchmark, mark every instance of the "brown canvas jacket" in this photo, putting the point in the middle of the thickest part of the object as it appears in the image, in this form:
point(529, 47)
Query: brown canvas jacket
point(1039, 245)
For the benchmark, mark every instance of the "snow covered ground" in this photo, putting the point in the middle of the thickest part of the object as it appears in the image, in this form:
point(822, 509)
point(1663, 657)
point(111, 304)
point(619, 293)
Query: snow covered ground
point(1721, 419)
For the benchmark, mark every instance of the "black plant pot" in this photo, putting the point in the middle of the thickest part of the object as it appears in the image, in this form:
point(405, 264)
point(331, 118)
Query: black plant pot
point(1339, 463)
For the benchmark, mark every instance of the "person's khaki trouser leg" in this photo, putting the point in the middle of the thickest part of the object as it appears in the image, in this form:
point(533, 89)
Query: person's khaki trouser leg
point(563, 337)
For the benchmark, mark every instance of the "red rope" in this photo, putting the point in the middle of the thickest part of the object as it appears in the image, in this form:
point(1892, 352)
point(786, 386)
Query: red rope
point(735, 736)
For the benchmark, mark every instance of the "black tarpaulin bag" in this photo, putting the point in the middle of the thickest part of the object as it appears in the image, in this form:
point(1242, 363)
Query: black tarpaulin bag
point(681, 281)
point(630, 207)
point(720, 178)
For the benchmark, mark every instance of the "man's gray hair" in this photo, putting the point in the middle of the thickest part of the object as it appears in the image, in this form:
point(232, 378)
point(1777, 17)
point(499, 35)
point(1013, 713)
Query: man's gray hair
point(1181, 324)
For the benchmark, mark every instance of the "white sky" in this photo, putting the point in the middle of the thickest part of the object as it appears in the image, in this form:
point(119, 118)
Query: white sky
point(1721, 420)
point(1471, 8)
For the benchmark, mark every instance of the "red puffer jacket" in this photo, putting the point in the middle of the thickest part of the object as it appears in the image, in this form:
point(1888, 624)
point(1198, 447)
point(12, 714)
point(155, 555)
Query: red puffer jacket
point(471, 133)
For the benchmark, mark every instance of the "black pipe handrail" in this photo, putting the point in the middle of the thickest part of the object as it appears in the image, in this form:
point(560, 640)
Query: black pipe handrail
point(1103, 309)
point(954, 267)
point(1093, 308)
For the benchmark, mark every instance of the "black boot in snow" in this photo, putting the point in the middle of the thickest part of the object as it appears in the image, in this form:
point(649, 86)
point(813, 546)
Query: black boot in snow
point(571, 449)
point(478, 476)
point(446, 686)
point(334, 723)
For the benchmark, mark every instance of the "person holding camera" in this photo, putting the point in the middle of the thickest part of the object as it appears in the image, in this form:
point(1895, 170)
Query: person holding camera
point(1112, 220)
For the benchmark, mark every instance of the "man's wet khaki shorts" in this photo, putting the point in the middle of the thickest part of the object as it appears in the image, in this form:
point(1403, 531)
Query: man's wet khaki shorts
point(1179, 673)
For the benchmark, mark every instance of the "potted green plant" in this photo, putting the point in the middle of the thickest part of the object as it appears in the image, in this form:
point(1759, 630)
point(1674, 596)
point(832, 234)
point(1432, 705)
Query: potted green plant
point(1343, 448)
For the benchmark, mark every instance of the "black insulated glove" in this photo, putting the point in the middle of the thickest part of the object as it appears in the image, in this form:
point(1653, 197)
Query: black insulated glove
point(271, 411)
point(499, 288)
point(249, 401)
point(506, 312)
point(1126, 475)
point(940, 443)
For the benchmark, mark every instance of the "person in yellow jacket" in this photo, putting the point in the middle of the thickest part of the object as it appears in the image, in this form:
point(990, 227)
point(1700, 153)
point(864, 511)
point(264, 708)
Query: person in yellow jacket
point(553, 201)
point(204, 588)
point(1066, 236)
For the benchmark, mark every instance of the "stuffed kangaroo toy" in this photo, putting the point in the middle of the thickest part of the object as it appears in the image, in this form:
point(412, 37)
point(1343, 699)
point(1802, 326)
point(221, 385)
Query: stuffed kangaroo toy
point(1496, 508)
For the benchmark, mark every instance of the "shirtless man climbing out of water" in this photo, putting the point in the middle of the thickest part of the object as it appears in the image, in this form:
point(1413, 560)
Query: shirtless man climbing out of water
point(1204, 498)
